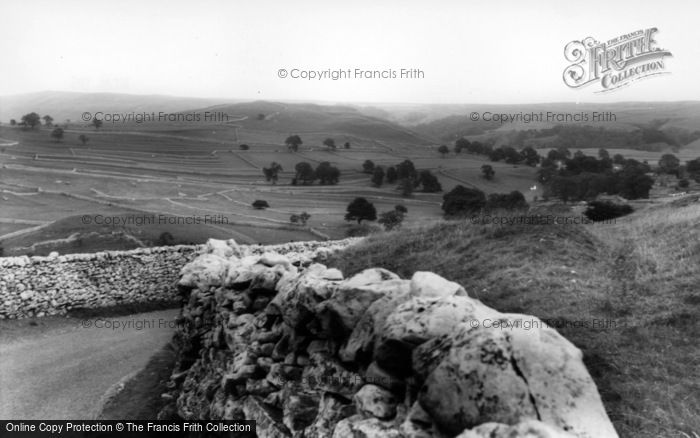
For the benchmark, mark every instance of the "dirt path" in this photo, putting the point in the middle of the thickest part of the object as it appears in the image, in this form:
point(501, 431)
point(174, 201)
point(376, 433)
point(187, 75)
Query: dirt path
point(62, 370)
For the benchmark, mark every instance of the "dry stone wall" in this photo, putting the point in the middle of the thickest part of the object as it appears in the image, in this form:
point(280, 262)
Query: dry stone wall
point(53, 285)
point(306, 352)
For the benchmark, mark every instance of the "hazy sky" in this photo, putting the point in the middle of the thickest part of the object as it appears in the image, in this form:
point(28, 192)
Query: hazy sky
point(470, 52)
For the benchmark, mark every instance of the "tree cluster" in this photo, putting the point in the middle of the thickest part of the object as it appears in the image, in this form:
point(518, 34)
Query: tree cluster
point(325, 173)
point(463, 200)
point(584, 177)
point(405, 173)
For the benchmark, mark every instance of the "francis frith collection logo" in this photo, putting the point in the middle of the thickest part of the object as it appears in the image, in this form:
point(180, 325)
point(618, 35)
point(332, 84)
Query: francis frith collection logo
point(614, 63)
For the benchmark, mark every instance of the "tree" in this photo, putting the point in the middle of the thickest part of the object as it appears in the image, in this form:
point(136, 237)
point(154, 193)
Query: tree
point(391, 220)
point(530, 156)
point(305, 173)
point(13, 122)
point(559, 154)
point(618, 159)
point(83, 139)
point(97, 123)
point(272, 173)
point(329, 143)
point(31, 120)
point(300, 219)
point(57, 134)
point(378, 176)
point(401, 208)
point(368, 166)
point(260, 204)
point(603, 154)
point(462, 144)
point(512, 156)
point(165, 239)
point(293, 142)
point(444, 150)
point(406, 170)
point(669, 163)
point(347, 145)
point(634, 184)
point(547, 171)
point(327, 174)
point(693, 169)
point(462, 200)
point(244, 147)
point(261, 116)
point(391, 175)
point(487, 171)
point(406, 187)
point(683, 183)
point(48, 121)
point(361, 209)
point(429, 182)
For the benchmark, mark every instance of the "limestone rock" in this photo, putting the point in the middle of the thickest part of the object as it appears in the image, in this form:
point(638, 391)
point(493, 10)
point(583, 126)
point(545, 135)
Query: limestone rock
point(370, 276)
point(375, 401)
point(476, 383)
point(331, 410)
point(362, 339)
point(268, 420)
point(419, 320)
point(221, 248)
point(327, 374)
point(273, 259)
point(525, 429)
point(206, 270)
point(426, 284)
point(507, 376)
point(559, 383)
point(299, 410)
point(360, 427)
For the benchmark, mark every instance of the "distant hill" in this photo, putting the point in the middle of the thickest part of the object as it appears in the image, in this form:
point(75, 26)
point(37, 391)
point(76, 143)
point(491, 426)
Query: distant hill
point(679, 120)
point(330, 120)
point(257, 122)
point(62, 105)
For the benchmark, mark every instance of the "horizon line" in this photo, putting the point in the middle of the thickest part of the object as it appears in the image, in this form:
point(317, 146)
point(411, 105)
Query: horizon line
point(338, 102)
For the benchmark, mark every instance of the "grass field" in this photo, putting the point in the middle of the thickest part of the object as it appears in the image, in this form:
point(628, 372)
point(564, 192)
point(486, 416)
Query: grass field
point(193, 170)
point(186, 169)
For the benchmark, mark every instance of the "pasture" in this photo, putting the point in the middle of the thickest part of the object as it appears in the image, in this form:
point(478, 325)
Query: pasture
point(200, 170)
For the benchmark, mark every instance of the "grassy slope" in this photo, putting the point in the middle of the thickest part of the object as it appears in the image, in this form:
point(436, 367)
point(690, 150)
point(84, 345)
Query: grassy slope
point(640, 274)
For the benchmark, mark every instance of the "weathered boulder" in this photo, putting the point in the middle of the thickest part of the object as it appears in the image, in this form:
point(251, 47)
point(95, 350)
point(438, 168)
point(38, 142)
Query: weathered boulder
point(477, 382)
point(298, 295)
point(420, 319)
point(358, 426)
point(268, 420)
point(331, 410)
point(375, 401)
point(204, 271)
point(525, 429)
point(299, 409)
point(327, 374)
point(510, 375)
point(349, 302)
point(360, 343)
point(427, 284)
point(222, 248)
point(370, 276)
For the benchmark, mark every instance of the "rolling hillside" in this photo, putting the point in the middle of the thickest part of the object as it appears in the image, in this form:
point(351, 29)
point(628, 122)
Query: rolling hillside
point(62, 105)
point(624, 293)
